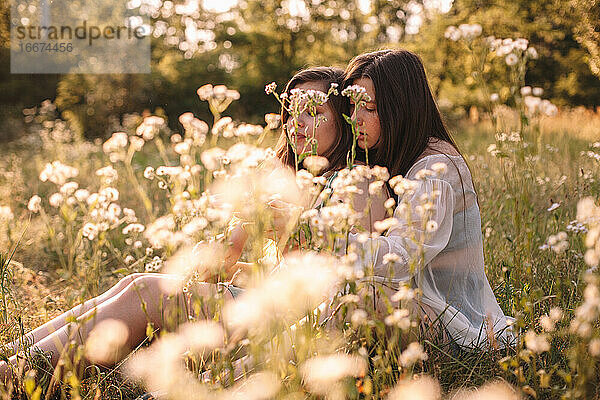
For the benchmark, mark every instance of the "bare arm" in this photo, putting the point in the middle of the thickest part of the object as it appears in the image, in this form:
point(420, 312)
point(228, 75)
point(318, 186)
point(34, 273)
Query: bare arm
point(371, 206)
point(237, 241)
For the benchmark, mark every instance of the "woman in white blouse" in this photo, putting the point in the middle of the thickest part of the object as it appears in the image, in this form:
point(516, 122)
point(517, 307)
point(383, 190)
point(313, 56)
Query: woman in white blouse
point(402, 129)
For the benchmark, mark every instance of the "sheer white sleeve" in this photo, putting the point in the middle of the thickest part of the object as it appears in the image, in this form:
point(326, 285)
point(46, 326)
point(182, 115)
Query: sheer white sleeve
point(421, 229)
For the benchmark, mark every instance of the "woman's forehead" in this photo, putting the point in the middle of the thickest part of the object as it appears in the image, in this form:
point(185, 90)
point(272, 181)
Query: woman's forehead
point(312, 85)
point(367, 83)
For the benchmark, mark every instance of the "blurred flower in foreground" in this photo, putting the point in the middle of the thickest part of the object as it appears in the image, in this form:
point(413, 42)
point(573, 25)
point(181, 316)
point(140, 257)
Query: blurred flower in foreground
point(302, 282)
point(321, 373)
point(259, 386)
point(490, 391)
point(197, 263)
point(536, 343)
point(414, 353)
point(315, 164)
point(35, 204)
point(106, 343)
point(219, 97)
point(6, 213)
point(161, 367)
point(422, 388)
point(202, 336)
point(58, 173)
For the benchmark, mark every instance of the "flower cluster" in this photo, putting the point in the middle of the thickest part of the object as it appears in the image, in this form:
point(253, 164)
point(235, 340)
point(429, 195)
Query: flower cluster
point(557, 243)
point(512, 49)
point(150, 127)
point(537, 106)
point(58, 173)
point(218, 93)
point(357, 94)
point(467, 32)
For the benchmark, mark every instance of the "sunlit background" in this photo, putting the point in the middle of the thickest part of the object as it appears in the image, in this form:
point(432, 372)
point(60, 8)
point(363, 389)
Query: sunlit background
point(247, 44)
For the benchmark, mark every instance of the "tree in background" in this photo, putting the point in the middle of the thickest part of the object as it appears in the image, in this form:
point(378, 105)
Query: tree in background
point(256, 42)
point(587, 31)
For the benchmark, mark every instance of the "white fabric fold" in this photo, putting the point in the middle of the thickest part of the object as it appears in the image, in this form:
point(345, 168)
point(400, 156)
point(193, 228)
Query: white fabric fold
point(449, 267)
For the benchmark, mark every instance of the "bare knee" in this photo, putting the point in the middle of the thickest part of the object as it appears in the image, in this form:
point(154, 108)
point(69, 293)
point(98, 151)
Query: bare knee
point(155, 294)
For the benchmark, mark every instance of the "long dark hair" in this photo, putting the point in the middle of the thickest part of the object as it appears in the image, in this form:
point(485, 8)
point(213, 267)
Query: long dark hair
point(339, 105)
point(408, 114)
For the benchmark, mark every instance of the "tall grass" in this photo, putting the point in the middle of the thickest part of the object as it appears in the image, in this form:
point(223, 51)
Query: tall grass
point(149, 199)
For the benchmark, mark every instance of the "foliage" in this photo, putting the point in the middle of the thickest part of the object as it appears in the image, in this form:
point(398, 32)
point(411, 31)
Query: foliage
point(254, 43)
point(150, 198)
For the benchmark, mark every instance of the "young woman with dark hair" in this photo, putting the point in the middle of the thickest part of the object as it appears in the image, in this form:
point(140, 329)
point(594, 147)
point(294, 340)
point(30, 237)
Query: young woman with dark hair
point(334, 148)
point(401, 128)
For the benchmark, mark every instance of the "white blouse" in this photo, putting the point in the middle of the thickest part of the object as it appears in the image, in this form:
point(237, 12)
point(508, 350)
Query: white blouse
point(453, 281)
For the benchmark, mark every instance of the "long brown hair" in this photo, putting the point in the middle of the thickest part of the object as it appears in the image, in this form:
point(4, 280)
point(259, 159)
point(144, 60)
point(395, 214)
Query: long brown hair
point(339, 105)
point(408, 114)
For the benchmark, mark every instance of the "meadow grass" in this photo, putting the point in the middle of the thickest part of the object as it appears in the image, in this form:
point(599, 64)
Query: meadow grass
point(516, 186)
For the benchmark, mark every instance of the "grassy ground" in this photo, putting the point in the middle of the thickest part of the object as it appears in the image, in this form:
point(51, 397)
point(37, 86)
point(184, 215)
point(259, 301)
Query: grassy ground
point(516, 187)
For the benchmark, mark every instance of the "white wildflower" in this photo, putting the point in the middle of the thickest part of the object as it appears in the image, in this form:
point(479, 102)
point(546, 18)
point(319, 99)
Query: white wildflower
point(56, 200)
point(384, 225)
point(431, 226)
point(404, 293)
point(533, 54)
point(356, 93)
point(81, 194)
point(89, 231)
point(321, 372)
point(35, 204)
point(556, 314)
point(594, 347)
point(117, 141)
point(452, 33)
point(137, 143)
point(108, 174)
point(359, 317)
point(554, 206)
point(421, 388)
point(202, 336)
point(316, 164)
point(270, 88)
point(413, 354)
point(525, 90)
point(6, 213)
point(536, 343)
point(149, 173)
point(107, 341)
point(133, 228)
point(547, 323)
point(391, 258)
point(511, 59)
point(389, 203)
point(58, 173)
point(399, 318)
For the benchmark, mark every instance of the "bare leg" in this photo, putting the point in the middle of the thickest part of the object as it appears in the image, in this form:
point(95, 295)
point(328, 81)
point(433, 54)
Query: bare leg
point(124, 306)
point(58, 322)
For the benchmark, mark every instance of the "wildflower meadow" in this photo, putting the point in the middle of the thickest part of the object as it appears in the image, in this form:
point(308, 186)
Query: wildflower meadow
point(160, 195)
